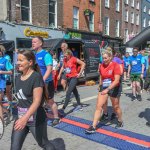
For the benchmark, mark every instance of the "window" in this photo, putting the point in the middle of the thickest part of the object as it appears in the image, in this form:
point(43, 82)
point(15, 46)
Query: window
point(126, 2)
point(144, 9)
point(126, 16)
point(117, 5)
point(106, 26)
point(52, 13)
point(149, 11)
point(132, 17)
point(137, 19)
point(144, 22)
point(107, 3)
point(137, 5)
point(126, 35)
point(26, 13)
point(149, 23)
point(75, 18)
point(91, 22)
point(132, 3)
point(117, 28)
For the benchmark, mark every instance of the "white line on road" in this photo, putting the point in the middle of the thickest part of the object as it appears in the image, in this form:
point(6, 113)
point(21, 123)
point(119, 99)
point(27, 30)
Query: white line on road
point(82, 100)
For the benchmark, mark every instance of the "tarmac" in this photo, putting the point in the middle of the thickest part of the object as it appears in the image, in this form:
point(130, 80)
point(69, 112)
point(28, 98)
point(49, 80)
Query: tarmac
point(135, 116)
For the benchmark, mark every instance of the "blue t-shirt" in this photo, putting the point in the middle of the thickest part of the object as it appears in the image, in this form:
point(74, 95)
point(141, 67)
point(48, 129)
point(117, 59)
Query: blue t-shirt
point(126, 62)
point(100, 59)
point(5, 65)
point(136, 64)
point(44, 59)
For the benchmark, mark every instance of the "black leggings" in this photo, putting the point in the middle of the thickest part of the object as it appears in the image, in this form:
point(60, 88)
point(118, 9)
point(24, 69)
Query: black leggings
point(72, 82)
point(39, 133)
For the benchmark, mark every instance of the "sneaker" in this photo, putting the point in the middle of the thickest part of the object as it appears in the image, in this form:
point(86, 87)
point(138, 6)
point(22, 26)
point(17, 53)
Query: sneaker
point(55, 122)
point(148, 123)
point(61, 112)
point(90, 130)
point(104, 117)
point(119, 124)
point(139, 98)
point(133, 98)
point(78, 108)
point(113, 116)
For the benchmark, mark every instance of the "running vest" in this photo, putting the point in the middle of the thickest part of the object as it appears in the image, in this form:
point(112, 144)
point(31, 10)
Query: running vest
point(41, 62)
point(126, 62)
point(136, 65)
point(3, 62)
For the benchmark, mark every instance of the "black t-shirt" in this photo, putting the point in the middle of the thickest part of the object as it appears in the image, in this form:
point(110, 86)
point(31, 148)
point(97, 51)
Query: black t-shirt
point(24, 93)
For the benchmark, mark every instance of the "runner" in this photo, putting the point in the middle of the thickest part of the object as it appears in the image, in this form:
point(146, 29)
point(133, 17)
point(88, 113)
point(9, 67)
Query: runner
point(5, 69)
point(117, 58)
point(126, 64)
point(30, 93)
point(55, 71)
point(70, 67)
point(45, 62)
point(135, 72)
point(64, 47)
point(110, 73)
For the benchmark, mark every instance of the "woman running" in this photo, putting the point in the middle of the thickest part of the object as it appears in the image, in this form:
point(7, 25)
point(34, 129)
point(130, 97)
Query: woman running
point(109, 86)
point(30, 93)
point(70, 67)
point(5, 69)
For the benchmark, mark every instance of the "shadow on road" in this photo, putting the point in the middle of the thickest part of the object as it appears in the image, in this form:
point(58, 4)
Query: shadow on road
point(59, 144)
point(145, 114)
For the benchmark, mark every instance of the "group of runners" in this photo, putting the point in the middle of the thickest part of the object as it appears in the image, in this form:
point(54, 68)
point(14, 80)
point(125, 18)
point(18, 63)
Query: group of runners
point(38, 79)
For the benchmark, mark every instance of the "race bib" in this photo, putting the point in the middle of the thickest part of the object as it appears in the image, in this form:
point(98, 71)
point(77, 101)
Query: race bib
point(134, 62)
point(127, 63)
point(22, 112)
point(106, 83)
point(67, 70)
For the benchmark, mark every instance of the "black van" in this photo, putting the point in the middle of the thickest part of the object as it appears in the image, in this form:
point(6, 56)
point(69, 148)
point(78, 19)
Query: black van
point(87, 51)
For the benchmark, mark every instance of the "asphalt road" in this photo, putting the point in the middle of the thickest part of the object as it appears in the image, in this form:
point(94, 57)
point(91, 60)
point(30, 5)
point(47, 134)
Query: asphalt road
point(135, 115)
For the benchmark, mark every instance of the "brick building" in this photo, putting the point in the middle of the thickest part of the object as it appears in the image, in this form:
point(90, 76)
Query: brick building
point(111, 16)
point(131, 19)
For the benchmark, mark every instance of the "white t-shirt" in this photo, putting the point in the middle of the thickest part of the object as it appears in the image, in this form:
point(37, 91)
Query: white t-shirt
point(55, 63)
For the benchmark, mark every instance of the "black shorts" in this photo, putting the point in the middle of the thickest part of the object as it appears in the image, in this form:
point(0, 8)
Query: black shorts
point(8, 82)
point(63, 76)
point(115, 92)
point(51, 90)
point(126, 70)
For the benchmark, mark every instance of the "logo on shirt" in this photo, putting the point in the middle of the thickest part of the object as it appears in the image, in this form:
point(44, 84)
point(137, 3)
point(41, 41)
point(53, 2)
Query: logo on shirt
point(20, 95)
point(110, 72)
point(39, 58)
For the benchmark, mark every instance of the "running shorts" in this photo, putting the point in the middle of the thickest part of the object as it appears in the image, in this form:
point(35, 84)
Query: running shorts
point(135, 77)
point(115, 92)
point(51, 90)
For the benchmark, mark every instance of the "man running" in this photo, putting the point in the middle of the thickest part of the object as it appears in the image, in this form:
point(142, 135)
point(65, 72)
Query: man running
point(45, 62)
point(135, 72)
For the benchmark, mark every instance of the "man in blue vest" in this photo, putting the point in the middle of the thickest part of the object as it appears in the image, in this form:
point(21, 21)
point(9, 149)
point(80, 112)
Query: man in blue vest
point(136, 72)
point(45, 62)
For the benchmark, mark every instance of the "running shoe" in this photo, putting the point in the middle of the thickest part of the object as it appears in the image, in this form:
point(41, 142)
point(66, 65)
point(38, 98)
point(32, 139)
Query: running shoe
point(78, 108)
point(61, 112)
point(90, 130)
point(119, 124)
point(148, 123)
point(139, 98)
point(55, 122)
point(113, 116)
point(133, 98)
point(104, 117)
